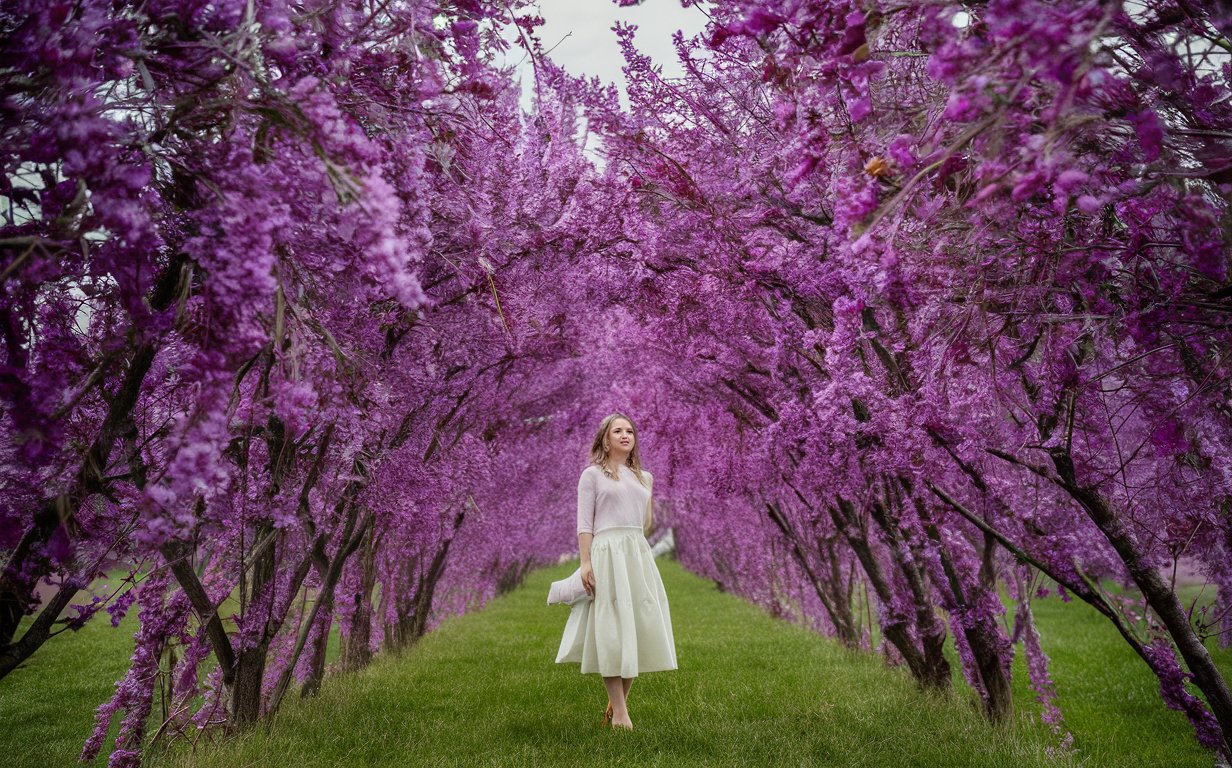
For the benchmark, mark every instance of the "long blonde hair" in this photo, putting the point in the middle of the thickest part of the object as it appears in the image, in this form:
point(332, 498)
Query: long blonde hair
point(598, 455)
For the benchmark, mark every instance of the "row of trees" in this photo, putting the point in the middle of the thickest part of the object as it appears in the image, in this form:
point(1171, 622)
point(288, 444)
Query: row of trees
point(281, 288)
point(954, 279)
point(914, 304)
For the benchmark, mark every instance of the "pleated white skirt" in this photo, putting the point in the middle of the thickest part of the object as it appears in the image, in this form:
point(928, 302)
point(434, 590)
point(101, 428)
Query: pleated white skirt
point(627, 628)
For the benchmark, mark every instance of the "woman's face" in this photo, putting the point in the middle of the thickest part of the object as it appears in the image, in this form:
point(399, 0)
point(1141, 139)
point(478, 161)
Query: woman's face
point(620, 435)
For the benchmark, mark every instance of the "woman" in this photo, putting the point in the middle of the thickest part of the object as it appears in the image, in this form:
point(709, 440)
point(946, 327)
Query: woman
point(625, 628)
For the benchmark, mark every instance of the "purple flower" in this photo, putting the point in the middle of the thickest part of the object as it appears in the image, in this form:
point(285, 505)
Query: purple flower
point(1069, 180)
point(1089, 204)
point(1028, 185)
point(901, 151)
point(859, 109)
point(960, 108)
point(759, 22)
point(1169, 438)
point(1150, 131)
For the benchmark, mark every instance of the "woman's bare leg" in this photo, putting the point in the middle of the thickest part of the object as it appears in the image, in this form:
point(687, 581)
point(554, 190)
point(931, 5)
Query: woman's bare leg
point(616, 696)
point(628, 683)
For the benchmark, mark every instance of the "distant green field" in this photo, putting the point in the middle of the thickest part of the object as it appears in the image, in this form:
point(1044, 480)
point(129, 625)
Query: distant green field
point(482, 690)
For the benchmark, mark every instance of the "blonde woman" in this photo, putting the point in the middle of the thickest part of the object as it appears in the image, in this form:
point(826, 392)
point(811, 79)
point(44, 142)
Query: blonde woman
point(624, 629)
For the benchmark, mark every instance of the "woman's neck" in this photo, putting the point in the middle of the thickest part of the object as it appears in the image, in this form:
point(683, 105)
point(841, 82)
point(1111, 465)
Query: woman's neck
point(615, 461)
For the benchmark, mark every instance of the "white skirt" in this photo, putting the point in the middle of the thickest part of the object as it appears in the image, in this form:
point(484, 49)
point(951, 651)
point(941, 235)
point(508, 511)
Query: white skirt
point(626, 629)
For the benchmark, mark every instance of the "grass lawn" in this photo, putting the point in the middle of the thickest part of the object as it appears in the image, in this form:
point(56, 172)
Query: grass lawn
point(1108, 697)
point(481, 690)
point(47, 705)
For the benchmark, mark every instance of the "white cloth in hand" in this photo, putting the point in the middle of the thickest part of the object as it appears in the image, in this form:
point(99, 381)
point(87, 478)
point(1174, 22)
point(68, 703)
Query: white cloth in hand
point(568, 591)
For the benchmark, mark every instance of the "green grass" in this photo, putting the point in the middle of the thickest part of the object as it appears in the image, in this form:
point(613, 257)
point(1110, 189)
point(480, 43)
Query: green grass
point(47, 705)
point(482, 690)
point(1109, 699)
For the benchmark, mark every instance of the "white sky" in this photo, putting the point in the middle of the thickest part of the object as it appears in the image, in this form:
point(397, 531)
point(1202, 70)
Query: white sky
point(579, 36)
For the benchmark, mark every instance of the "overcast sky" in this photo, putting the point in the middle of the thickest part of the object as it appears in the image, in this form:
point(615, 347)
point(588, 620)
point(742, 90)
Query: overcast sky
point(579, 35)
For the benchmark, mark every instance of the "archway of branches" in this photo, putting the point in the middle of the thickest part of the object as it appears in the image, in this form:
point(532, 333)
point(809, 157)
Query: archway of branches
point(913, 304)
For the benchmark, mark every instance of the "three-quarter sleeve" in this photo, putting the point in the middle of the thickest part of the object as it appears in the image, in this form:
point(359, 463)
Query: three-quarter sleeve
point(586, 503)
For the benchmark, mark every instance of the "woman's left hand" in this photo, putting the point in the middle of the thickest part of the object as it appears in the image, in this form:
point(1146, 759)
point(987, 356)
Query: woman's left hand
point(588, 579)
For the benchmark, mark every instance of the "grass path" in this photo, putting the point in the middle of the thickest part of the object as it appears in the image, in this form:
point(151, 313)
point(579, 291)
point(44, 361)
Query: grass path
point(751, 690)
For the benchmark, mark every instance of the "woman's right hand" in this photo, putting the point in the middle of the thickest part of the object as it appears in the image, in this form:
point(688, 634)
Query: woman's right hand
point(588, 579)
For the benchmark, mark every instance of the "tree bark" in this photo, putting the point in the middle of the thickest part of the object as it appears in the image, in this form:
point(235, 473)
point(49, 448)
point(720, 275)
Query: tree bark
point(356, 651)
point(1158, 594)
point(352, 535)
point(427, 591)
point(840, 615)
point(982, 637)
point(931, 629)
point(15, 592)
point(250, 661)
point(1080, 589)
point(929, 671)
point(176, 555)
point(413, 621)
point(13, 654)
point(320, 644)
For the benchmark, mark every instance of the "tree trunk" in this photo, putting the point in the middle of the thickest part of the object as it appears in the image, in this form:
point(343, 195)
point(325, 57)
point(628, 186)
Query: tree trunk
point(401, 597)
point(842, 590)
point(176, 555)
point(1158, 594)
point(250, 662)
point(320, 643)
point(931, 629)
point(929, 672)
point(13, 654)
point(427, 589)
point(843, 621)
point(351, 537)
point(413, 621)
point(246, 693)
point(982, 639)
point(356, 651)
